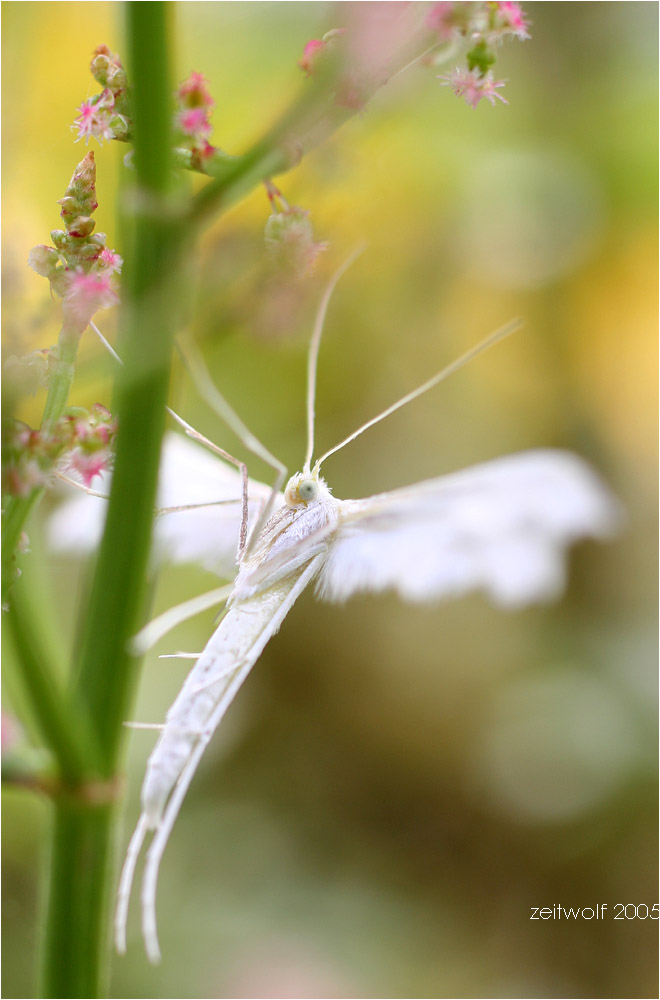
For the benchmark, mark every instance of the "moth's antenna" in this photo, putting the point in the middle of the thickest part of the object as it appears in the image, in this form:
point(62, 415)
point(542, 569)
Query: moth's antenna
point(314, 345)
point(489, 341)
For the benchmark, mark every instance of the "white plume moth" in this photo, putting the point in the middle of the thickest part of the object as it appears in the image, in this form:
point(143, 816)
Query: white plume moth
point(501, 527)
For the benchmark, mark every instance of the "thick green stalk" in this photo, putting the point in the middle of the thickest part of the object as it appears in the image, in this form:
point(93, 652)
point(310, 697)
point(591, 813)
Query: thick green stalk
point(76, 936)
point(75, 955)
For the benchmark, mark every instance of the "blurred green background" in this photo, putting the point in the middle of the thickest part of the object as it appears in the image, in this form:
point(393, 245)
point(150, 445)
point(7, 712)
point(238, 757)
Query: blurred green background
point(396, 786)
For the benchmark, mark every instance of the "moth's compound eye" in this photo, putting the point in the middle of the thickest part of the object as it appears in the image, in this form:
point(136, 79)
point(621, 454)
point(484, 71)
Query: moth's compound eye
point(308, 490)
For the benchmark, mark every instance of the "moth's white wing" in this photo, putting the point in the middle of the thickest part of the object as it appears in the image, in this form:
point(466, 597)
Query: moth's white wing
point(501, 527)
point(189, 474)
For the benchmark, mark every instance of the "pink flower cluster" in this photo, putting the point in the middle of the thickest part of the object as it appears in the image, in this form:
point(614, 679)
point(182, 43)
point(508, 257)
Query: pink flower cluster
point(97, 117)
point(108, 116)
point(92, 441)
point(80, 267)
point(490, 22)
point(484, 26)
point(104, 116)
point(194, 104)
point(81, 441)
point(510, 19)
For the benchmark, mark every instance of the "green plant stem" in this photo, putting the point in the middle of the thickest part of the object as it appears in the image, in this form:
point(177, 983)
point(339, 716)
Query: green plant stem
point(62, 377)
point(75, 954)
point(48, 701)
point(17, 511)
point(76, 934)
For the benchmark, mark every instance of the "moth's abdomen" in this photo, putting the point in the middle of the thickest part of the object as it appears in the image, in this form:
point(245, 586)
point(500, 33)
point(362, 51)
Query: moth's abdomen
point(210, 688)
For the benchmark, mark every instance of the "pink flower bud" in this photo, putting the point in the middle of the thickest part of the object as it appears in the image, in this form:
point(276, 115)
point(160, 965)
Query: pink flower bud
point(194, 92)
point(313, 49)
point(107, 70)
point(81, 227)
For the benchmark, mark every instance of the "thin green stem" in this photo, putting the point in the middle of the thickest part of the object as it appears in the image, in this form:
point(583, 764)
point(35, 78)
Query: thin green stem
point(312, 118)
point(17, 511)
point(48, 701)
point(62, 377)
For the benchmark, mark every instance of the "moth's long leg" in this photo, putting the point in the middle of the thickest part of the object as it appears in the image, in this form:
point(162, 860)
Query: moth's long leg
point(210, 392)
point(109, 348)
point(88, 491)
point(162, 624)
point(191, 432)
point(197, 436)
point(161, 836)
point(195, 506)
point(80, 486)
point(179, 656)
point(126, 881)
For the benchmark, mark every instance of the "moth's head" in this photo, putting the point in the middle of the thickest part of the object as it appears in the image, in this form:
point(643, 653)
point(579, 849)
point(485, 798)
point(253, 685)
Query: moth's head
point(305, 488)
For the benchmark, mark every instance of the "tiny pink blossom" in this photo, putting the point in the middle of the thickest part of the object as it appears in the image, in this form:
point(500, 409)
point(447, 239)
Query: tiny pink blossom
point(311, 53)
point(513, 17)
point(194, 121)
point(489, 89)
point(86, 294)
point(110, 260)
point(473, 87)
point(88, 466)
point(94, 118)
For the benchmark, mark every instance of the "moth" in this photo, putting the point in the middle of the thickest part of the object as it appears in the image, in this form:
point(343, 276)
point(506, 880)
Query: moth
point(501, 527)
